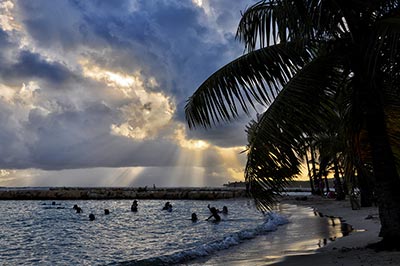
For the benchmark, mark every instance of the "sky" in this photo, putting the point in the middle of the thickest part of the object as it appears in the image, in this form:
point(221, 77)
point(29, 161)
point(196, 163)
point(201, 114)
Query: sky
point(92, 93)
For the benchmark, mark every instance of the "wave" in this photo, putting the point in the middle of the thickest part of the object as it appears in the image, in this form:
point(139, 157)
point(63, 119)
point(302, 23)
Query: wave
point(271, 224)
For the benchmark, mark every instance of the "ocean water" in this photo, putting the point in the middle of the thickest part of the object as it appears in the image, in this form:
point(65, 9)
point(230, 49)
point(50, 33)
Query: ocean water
point(39, 233)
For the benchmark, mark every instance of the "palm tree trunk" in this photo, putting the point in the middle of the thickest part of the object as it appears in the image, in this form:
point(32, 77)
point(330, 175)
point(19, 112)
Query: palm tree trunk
point(326, 181)
point(366, 189)
point(309, 174)
point(338, 184)
point(384, 167)
point(314, 170)
point(387, 180)
point(344, 182)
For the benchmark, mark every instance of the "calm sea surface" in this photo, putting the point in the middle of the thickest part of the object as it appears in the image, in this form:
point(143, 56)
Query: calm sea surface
point(39, 233)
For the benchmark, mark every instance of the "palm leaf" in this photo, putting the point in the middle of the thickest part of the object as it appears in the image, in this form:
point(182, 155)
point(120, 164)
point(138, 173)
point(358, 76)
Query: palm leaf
point(257, 76)
point(300, 110)
point(383, 46)
point(270, 22)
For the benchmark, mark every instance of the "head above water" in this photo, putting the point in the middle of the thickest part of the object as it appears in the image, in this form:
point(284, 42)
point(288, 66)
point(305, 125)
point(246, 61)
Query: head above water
point(213, 210)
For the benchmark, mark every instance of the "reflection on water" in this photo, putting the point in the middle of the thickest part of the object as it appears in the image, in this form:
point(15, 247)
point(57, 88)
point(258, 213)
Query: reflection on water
point(43, 233)
point(304, 234)
point(336, 223)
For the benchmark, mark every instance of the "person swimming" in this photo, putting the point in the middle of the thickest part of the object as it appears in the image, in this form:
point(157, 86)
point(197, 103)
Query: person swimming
point(91, 217)
point(106, 211)
point(225, 210)
point(214, 213)
point(134, 206)
point(194, 217)
point(167, 206)
point(77, 208)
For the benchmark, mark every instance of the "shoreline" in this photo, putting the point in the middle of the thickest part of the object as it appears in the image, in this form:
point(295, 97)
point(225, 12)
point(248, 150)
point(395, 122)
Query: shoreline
point(349, 250)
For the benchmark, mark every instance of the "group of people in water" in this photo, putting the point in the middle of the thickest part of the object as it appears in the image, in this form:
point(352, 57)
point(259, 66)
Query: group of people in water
point(91, 215)
point(167, 207)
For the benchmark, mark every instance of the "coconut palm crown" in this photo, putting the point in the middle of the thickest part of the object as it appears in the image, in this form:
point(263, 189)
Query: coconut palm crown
point(299, 56)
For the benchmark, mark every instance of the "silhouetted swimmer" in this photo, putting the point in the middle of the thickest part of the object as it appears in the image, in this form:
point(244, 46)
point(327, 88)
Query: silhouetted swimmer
point(134, 206)
point(106, 211)
point(225, 210)
point(77, 208)
point(91, 217)
point(214, 213)
point(167, 206)
point(194, 217)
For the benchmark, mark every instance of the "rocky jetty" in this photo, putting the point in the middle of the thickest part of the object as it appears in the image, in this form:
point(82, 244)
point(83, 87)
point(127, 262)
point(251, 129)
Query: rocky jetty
point(74, 193)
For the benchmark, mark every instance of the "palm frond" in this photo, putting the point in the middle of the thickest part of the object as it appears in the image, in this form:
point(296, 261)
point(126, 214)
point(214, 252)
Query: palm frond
point(301, 109)
point(384, 46)
point(257, 76)
point(270, 22)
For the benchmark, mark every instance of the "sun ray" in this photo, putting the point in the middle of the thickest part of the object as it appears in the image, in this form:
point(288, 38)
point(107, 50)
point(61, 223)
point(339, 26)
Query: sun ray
point(230, 158)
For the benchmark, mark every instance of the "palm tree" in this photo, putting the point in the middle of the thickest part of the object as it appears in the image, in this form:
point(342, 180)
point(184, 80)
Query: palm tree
point(299, 55)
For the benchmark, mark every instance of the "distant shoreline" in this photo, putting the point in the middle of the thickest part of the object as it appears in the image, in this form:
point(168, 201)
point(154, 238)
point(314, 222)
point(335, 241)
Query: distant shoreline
point(89, 193)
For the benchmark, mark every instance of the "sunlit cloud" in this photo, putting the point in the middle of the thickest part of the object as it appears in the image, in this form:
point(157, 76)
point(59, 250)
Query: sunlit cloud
point(111, 78)
point(191, 144)
point(146, 113)
point(198, 2)
point(7, 20)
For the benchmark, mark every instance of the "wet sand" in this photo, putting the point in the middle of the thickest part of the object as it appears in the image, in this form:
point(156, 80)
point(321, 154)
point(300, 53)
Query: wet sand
point(350, 250)
point(303, 235)
point(347, 251)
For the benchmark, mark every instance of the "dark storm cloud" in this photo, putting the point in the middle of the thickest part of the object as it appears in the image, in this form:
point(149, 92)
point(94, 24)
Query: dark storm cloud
point(4, 40)
point(32, 66)
point(22, 65)
point(169, 39)
point(174, 41)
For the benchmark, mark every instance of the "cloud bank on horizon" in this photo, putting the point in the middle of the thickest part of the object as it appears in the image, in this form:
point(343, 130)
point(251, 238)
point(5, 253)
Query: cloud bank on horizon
point(103, 84)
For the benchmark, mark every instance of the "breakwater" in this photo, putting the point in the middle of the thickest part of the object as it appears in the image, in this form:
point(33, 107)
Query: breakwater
point(71, 193)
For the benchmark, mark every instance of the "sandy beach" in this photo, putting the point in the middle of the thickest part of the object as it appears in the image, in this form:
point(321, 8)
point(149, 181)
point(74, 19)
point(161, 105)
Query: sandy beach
point(349, 250)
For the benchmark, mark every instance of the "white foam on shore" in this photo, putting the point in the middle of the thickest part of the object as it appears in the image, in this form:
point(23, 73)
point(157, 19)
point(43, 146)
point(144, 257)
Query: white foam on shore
point(273, 221)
